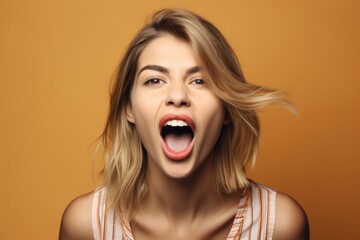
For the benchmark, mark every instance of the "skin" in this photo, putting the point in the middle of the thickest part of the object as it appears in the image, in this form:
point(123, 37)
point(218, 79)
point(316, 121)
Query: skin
point(182, 199)
point(181, 192)
point(174, 86)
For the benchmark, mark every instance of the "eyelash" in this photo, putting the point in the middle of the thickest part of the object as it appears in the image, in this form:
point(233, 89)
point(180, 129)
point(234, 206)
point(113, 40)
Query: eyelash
point(198, 81)
point(153, 81)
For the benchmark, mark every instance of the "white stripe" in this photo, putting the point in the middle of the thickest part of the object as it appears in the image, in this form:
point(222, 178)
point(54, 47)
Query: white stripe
point(94, 214)
point(110, 224)
point(102, 214)
point(118, 233)
point(264, 213)
point(256, 206)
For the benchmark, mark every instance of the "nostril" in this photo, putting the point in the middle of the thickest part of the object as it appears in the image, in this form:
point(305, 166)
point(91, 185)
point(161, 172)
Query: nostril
point(177, 95)
point(185, 104)
point(178, 101)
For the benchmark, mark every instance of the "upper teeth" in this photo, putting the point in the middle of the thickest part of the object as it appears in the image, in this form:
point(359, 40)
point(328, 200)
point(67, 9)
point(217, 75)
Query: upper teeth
point(176, 123)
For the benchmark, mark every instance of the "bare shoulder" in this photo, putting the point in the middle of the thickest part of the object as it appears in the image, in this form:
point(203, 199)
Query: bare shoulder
point(291, 220)
point(76, 219)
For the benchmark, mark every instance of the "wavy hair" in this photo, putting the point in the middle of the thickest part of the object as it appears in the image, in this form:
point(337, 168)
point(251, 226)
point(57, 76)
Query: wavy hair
point(125, 170)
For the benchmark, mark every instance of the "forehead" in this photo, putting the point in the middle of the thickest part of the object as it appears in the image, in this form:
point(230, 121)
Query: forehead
point(168, 51)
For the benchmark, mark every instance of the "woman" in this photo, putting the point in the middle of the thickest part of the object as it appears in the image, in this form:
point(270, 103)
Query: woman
point(181, 130)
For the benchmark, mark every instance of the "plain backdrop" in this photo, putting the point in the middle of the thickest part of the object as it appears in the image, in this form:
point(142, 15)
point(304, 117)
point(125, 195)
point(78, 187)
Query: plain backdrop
point(56, 61)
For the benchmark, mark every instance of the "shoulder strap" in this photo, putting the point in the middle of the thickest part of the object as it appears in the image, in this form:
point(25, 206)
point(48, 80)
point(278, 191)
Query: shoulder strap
point(105, 224)
point(260, 217)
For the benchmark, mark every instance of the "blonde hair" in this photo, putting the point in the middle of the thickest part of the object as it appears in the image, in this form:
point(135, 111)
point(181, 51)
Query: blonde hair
point(125, 171)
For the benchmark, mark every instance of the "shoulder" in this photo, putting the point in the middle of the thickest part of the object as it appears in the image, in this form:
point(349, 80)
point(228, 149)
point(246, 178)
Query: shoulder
point(76, 222)
point(291, 220)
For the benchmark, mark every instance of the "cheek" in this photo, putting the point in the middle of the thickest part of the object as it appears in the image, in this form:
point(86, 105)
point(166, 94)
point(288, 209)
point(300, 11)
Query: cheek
point(213, 119)
point(214, 112)
point(145, 102)
point(141, 105)
point(144, 113)
point(211, 132)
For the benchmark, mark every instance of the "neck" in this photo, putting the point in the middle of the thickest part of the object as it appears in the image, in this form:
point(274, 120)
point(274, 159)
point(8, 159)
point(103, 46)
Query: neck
point(182, 199)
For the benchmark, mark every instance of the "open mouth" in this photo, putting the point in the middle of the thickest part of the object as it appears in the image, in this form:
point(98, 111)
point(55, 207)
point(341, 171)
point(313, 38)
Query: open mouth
point(177, 135)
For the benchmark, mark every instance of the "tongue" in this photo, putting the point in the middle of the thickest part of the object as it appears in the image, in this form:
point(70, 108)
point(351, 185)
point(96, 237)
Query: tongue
point(178, 143)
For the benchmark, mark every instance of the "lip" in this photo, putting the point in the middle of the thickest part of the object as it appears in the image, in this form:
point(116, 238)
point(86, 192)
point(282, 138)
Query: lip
point(177, 156)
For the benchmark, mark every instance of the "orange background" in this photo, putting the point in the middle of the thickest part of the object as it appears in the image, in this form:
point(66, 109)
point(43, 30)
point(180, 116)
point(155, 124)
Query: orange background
point(57, 58)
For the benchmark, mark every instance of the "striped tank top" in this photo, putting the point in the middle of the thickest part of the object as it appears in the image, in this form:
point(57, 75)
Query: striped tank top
point(254, 218)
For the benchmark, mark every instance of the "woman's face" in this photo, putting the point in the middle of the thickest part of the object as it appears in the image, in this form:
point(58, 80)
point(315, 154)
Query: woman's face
point(176, 115)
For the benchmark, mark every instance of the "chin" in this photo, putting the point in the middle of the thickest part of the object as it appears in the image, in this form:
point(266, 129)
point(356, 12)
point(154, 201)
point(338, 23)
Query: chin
point(181, 170)
point(179, 175)
point(178, 169)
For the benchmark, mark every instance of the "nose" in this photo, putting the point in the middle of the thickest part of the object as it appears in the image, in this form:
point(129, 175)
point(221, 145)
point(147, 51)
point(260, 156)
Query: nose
point(177, 95)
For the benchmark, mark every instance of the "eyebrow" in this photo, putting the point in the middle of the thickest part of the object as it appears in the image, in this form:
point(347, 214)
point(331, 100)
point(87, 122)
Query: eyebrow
point(162, 69)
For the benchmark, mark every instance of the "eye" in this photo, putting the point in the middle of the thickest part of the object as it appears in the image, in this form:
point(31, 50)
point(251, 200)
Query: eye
point(153, 81)
point(198, 81)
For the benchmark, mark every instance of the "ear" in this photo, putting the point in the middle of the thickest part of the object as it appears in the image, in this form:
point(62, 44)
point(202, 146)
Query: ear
point(129, 114)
